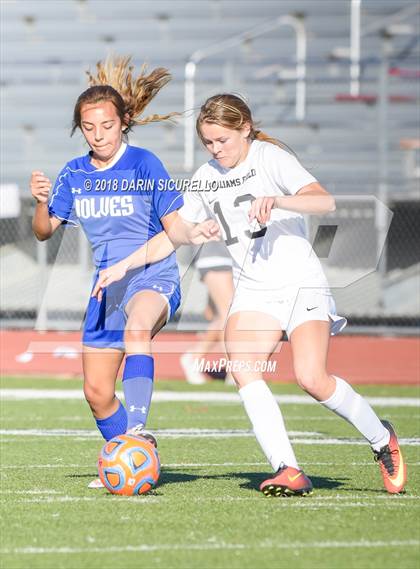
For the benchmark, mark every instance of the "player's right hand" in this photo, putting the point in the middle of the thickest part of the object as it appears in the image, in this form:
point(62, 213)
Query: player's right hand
point(40, 186)
point(261, 209)
point(205, 231)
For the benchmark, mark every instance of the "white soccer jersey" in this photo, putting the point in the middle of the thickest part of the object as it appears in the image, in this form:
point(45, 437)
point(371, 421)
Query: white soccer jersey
point(268, 257)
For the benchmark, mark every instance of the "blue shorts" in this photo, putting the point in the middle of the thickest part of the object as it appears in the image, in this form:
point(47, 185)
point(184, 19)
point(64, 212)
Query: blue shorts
point(105, 321)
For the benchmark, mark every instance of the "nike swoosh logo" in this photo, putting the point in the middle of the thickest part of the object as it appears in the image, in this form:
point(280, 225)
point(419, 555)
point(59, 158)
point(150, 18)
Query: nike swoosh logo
point(313, 308)
point(295, 477)
point(399, 479)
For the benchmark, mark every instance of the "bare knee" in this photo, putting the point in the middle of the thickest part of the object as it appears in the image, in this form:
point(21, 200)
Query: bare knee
point(137, 338)
point(98, 398)
point(137, 335)
point(243, 372)
point(312, 381)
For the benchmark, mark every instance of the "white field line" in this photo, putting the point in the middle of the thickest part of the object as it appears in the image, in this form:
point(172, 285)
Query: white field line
point(318, 442)
point(363, 544)
point(297, 437)
point(30, 492)
point(232, 417)
point(69, 499)
point(338, 498)
point(192, 465)
point(240, 418)
point(386, 499)
point(307, 504)
point(189, 432)
point(193, 396)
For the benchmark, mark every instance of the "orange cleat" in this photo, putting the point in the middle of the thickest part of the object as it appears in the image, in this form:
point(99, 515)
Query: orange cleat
point(391, 462)
point(287, 481)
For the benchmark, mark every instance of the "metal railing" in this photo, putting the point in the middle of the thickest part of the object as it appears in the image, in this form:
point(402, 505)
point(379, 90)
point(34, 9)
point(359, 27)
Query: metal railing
point(357, 32)
point(296, 23)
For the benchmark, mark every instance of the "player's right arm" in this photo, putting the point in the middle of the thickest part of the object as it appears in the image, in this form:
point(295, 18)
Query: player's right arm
point(43, 225)
point(183, 232)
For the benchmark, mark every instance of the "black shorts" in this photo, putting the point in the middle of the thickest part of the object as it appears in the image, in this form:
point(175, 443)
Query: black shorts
point(213, 256)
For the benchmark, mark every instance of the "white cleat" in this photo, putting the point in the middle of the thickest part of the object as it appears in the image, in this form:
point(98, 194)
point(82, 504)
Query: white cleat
point(193, 376)
point(140, 431)
point(95, 484)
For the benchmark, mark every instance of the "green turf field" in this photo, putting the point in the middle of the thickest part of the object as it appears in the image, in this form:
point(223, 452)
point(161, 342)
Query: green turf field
point(206, 511)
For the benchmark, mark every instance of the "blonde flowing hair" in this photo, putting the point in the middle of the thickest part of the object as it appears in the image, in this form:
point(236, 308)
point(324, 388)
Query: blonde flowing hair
point(114, 81)
point(230, 111)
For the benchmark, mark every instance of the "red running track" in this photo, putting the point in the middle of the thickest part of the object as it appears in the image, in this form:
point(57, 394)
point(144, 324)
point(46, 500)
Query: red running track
point(359, 359)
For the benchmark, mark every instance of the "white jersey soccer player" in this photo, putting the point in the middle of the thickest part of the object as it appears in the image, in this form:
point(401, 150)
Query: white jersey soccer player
point(280, 285)
point(272, 262)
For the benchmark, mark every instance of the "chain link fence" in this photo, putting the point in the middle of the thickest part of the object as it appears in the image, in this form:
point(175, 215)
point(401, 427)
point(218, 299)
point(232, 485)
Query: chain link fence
point(375, 283)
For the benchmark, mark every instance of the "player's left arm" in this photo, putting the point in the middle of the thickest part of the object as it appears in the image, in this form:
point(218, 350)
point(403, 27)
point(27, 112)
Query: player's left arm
point(312, 198)
point(177, 232)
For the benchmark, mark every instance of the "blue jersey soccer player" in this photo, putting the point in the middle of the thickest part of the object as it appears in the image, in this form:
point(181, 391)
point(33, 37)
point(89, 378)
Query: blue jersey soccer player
point(113, 194)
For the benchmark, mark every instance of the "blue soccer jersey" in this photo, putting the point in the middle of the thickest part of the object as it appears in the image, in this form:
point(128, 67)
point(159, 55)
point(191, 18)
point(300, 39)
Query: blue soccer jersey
point(119, 207)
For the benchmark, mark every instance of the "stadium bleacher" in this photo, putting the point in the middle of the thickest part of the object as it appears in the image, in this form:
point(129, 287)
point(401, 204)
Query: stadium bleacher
point(47, 46)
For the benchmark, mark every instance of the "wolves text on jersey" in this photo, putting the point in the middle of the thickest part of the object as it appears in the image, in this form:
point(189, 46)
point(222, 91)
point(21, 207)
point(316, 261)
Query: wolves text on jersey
point(106, 206)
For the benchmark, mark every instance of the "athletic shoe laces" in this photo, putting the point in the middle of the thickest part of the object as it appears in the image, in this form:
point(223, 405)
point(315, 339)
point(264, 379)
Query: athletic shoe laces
point(385, 457)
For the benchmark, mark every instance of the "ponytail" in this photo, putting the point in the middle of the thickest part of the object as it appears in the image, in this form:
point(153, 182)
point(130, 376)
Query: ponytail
point(256, 134)
point(114, 81)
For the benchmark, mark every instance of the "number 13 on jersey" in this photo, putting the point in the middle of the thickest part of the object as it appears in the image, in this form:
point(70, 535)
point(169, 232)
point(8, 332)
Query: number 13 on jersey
point(231, 239)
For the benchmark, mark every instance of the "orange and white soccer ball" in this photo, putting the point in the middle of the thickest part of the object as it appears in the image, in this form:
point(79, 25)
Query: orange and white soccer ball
point(129, 465)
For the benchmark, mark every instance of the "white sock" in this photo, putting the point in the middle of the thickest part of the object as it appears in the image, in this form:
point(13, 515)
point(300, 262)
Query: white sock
point(346, 403)
point(268, 424)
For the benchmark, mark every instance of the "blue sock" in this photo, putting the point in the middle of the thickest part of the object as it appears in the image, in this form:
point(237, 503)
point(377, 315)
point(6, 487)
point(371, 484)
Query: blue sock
point(138, 388)
point(114, 425)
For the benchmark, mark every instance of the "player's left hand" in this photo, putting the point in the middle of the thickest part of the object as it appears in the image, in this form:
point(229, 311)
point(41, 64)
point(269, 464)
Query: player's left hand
point(204, 232)
point(261, 209)
point(108, 276)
